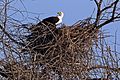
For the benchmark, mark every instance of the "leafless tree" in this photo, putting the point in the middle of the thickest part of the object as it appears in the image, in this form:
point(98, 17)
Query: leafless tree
point(76, 52)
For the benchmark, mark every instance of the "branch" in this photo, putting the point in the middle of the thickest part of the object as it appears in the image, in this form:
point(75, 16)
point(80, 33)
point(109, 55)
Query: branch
point(114, 8)
point(3, 73)
point(106, 8)
point(98, 11)
point(113, 17)
point(10, 37)
point(96, 2)
point(104, 67)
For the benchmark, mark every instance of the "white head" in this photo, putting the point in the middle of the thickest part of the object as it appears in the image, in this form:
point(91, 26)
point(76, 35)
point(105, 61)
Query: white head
point(60, 14)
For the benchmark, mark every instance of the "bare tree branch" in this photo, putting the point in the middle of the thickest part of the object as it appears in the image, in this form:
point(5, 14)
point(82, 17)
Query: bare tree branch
point(100, 13)
point(10, 37)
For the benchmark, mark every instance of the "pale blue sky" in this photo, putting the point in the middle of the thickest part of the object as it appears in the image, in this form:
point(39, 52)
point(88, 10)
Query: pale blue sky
point(74, 10)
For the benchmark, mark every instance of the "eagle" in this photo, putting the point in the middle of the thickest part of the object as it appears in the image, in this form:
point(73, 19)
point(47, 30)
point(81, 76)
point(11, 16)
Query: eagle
point(54, 20)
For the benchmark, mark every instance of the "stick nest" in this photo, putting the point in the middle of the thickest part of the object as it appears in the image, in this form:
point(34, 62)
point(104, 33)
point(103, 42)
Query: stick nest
point(65, 51)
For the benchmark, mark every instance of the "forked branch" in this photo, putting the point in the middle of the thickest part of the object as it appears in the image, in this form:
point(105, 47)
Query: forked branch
point(111, 9)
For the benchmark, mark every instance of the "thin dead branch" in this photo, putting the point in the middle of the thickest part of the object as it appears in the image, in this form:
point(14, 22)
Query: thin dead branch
point(43, 52)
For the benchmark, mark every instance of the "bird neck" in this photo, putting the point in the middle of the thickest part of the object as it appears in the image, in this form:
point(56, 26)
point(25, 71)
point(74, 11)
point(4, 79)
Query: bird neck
point(60, 17)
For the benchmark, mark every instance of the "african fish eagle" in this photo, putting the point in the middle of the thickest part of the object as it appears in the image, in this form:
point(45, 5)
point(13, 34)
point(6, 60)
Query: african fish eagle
point(55, 20)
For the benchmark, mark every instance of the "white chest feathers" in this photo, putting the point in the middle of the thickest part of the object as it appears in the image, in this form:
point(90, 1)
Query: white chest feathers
point(60, 20)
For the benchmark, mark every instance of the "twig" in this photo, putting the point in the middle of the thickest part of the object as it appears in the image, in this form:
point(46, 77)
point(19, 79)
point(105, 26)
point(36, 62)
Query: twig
point(10, 37)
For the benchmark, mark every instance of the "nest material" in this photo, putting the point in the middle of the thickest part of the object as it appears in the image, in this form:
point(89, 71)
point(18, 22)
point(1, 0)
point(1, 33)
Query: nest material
point(54, 54)
point(65, 51)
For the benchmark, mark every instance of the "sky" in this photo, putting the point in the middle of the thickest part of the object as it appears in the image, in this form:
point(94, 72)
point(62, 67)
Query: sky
point(74, 10)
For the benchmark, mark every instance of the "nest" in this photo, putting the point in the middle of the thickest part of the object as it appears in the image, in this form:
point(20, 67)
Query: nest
point(65, 51)
point(52, 53)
